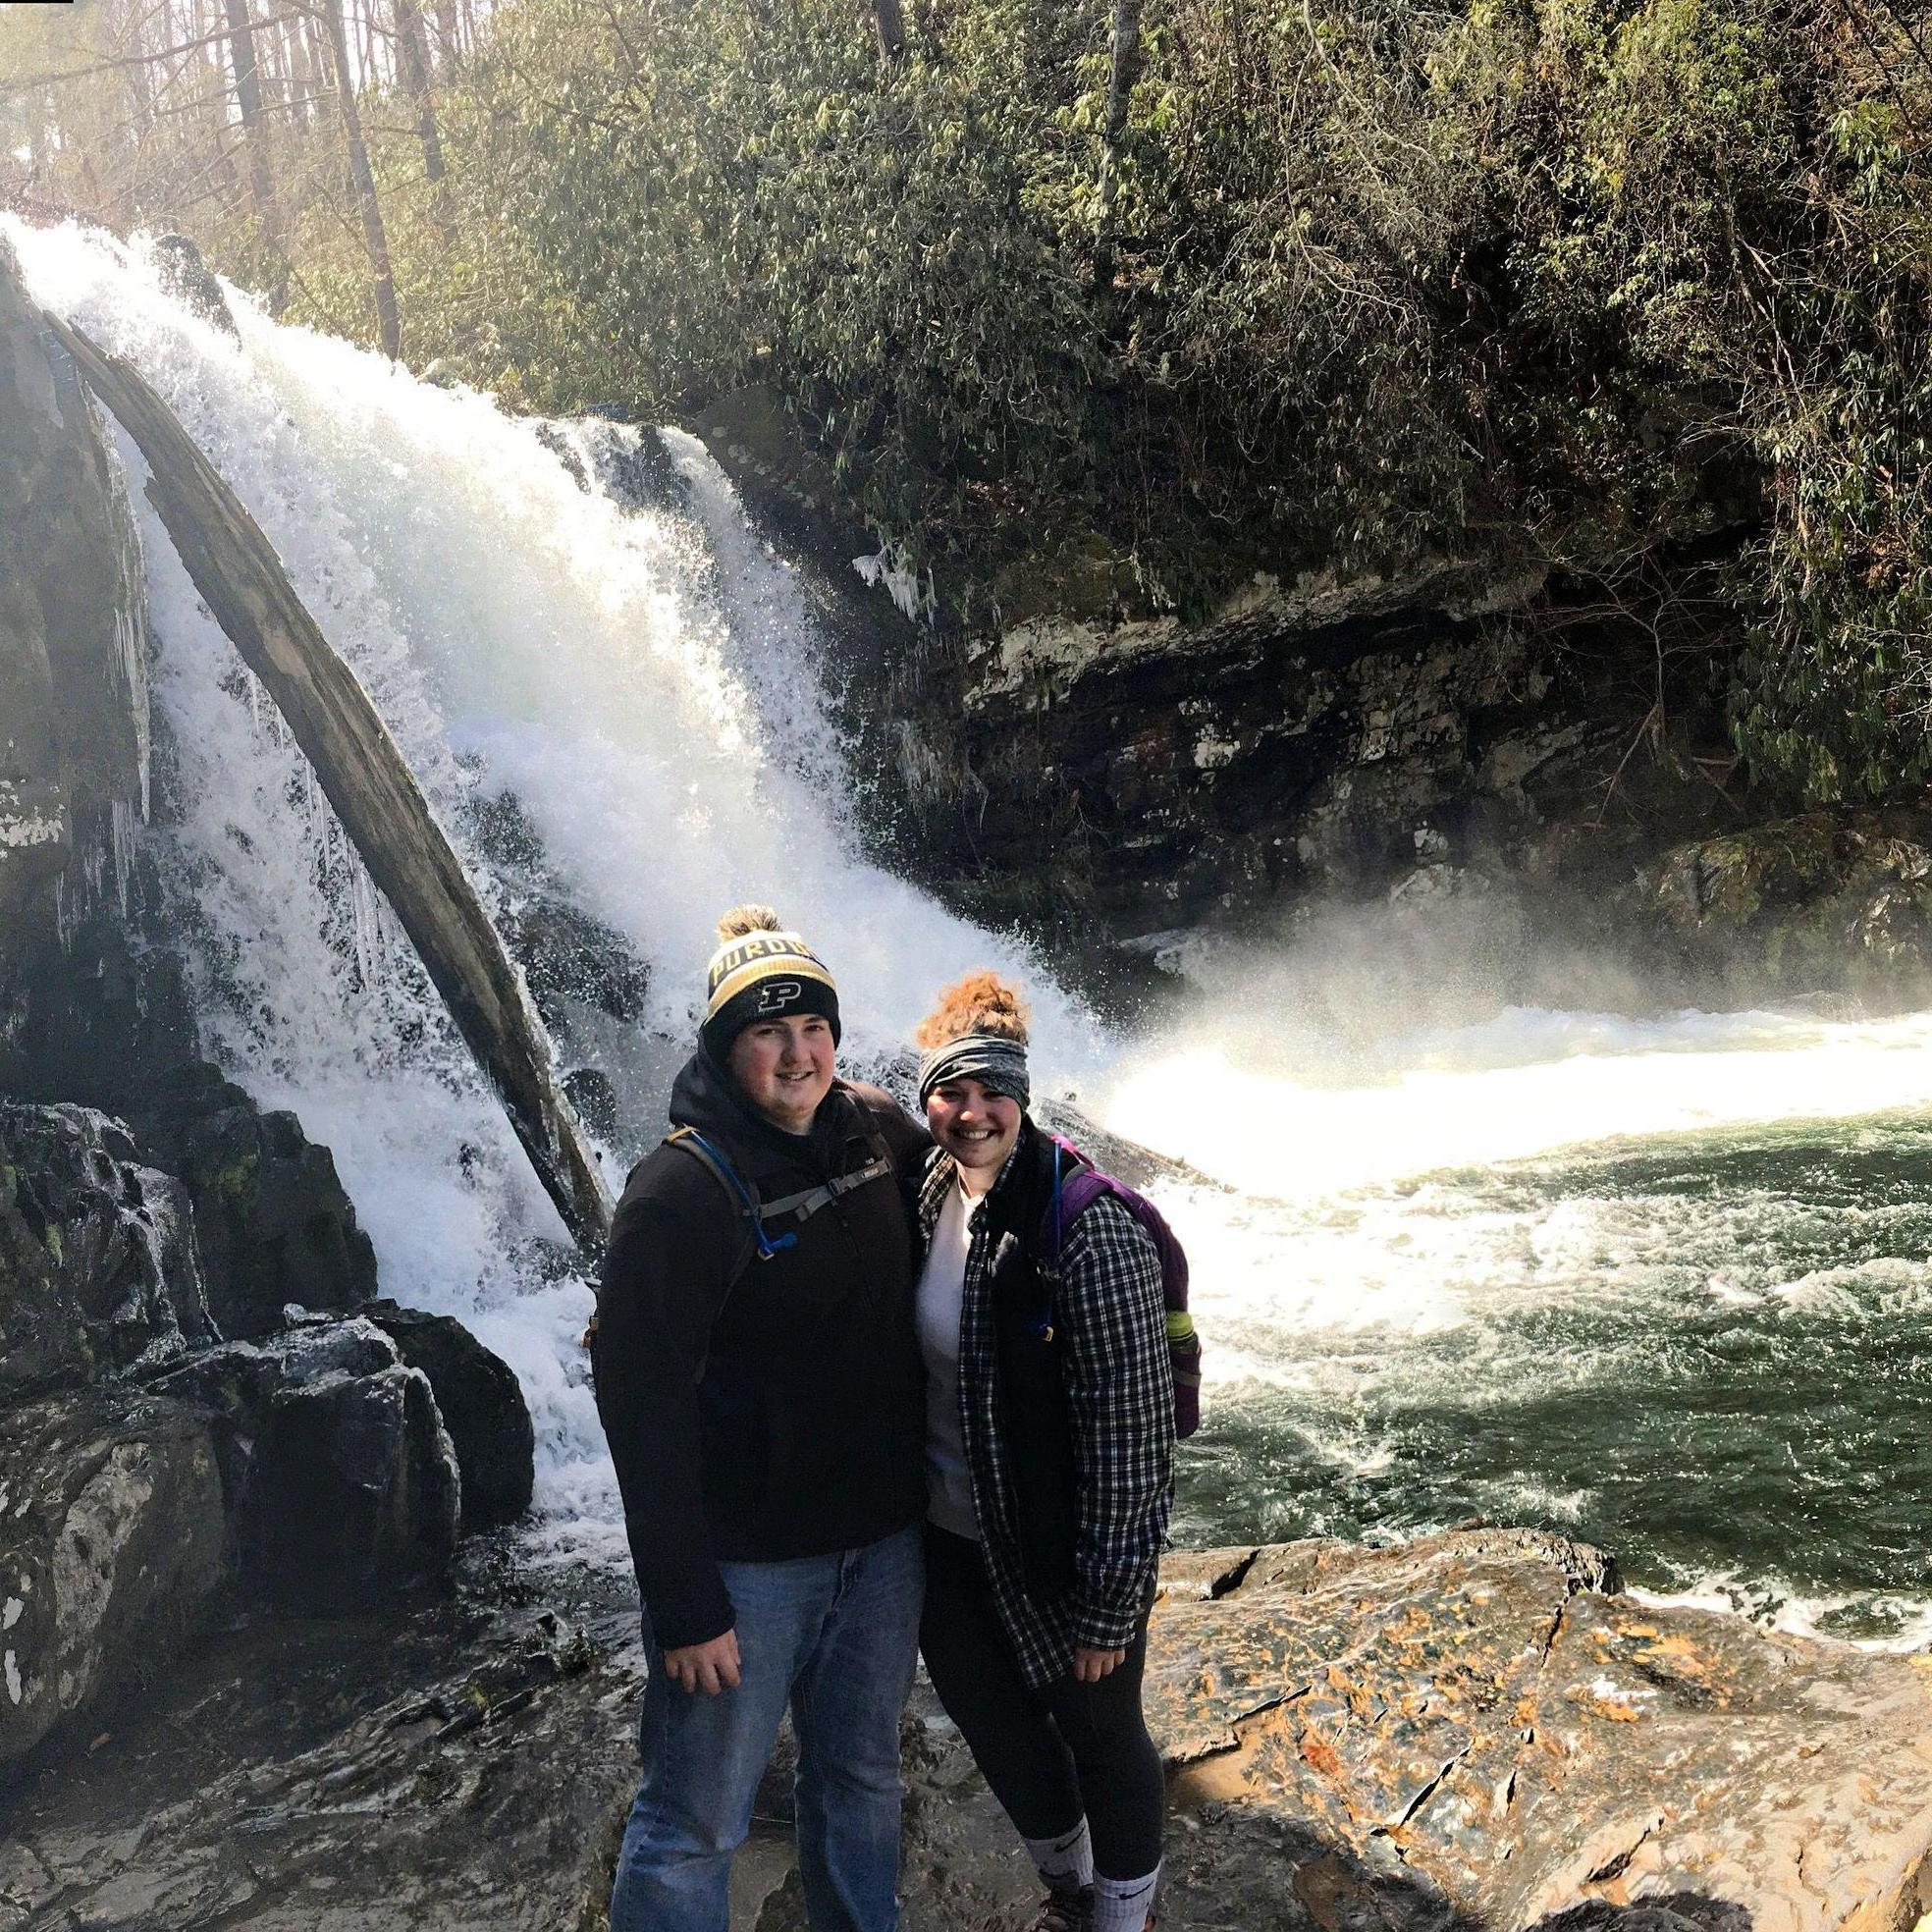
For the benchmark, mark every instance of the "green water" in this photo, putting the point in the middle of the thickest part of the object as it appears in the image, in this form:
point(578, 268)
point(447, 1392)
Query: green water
point(1706, 1353)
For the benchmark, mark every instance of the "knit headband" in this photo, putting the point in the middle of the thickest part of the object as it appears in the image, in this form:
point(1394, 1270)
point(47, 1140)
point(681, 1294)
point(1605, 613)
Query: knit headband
point(998, 1063)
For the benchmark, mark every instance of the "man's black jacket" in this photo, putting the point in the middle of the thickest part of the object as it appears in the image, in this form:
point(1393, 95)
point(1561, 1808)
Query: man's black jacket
point(787, 1416)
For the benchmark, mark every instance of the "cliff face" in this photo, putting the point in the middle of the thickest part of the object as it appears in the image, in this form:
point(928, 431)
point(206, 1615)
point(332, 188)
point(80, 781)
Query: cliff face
point(1315, 735)
point(1068, 760)
point(73, 717)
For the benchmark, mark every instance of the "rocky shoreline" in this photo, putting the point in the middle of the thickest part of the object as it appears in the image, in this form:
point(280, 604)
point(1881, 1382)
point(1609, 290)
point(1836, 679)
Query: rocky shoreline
point(1475, 1729)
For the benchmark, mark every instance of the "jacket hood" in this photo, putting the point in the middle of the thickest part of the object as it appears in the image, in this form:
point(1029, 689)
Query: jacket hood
point(705, 1096)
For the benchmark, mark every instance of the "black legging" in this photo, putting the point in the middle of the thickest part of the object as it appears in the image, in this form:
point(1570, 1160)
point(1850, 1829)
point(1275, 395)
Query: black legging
point(1052, 1754)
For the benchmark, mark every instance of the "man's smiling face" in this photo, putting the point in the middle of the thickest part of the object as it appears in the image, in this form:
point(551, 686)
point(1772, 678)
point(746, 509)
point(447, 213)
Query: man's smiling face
point(785, 1068)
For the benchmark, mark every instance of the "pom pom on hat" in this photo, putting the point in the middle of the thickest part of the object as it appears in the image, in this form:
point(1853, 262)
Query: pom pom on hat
point(740, 920)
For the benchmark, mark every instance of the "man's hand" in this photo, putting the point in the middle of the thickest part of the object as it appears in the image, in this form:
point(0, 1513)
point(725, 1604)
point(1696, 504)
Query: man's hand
point(708, 1667)
point(1091, 1665)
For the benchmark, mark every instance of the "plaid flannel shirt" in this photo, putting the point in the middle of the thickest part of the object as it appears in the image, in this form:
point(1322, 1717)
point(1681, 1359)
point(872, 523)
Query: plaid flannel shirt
point(1111, 1322)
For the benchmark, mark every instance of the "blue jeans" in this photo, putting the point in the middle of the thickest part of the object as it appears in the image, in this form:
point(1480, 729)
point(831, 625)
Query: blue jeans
point(835, 1638)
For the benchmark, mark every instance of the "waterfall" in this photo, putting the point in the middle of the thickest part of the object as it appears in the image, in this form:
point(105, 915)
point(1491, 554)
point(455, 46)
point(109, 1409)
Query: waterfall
point(1416, 1301)
point(645, 683)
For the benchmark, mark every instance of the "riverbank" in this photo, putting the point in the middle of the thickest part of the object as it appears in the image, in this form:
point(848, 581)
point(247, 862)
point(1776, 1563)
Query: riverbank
point(1475, 1729)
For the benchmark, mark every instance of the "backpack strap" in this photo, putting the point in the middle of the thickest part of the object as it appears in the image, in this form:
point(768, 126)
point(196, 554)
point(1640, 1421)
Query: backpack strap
point(1072, 1193)
point(715, 1161)
point(804, 1204)
point(761, 1242)
point(809, 1200)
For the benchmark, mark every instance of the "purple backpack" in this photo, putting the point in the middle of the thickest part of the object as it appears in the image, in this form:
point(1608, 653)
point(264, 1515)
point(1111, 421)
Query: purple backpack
point(1073, 1195)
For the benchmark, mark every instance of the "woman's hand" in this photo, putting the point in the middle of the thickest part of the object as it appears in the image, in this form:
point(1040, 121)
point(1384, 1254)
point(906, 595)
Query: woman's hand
point(1091, 1665)
point(708, 1667)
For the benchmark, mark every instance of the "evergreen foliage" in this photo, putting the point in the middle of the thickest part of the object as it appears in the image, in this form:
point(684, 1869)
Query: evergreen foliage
point(1632, 289)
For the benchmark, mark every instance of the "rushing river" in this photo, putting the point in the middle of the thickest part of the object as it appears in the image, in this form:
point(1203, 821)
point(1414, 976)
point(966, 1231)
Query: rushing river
point(1701, 1345)
point(1655, 1279)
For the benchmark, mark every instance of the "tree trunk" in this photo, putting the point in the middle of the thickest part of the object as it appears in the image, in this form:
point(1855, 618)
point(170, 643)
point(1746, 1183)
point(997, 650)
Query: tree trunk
point(374, 234)
point(449, 35)
point(891, 23)
point(413, 65)
point(1122, 71)
point(369, 782)
point(247, 94)
point(307, 63)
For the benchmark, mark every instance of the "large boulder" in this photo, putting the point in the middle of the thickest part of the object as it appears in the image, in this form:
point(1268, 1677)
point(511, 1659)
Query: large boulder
point(482, 1406)
point(275, 1225)
point(99, 1273)
point(356, 1492)
point(1824, 900)
point(341, 1482)
point(113, 1551)
point(1472, 1718)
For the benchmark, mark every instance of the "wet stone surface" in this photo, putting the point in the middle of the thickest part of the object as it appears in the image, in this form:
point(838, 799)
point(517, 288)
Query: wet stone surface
point(1464, 1732)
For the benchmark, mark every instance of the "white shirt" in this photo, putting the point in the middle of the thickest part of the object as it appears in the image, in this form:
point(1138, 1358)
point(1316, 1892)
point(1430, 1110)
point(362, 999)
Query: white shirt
point(949, 1482)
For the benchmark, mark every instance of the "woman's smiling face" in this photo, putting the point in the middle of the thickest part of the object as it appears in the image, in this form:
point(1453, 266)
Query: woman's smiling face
point(976, 1126)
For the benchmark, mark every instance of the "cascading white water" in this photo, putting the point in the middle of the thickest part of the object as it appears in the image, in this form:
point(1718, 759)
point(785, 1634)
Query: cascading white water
point(647, 684)
point(644, 684)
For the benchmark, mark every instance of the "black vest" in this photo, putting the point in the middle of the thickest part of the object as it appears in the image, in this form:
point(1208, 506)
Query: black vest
point(1030, 1407)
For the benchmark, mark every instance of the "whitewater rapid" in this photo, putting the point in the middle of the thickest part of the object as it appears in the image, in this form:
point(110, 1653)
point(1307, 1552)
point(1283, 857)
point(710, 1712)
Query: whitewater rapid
point(649, 687)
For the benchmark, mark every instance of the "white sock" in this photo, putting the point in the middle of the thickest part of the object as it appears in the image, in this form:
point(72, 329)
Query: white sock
point(1122, 1904)
point(1068, 1856)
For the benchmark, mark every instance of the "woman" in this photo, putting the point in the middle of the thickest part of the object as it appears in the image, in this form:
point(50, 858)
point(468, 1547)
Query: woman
point(1049, 1458)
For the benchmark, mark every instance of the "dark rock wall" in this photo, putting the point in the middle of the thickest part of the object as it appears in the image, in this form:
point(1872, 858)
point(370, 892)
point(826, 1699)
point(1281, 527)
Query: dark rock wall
point(73, 744)
point(1325, 737)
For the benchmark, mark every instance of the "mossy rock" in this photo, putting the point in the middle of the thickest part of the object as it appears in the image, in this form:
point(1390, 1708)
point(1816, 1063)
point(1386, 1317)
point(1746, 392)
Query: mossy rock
point(1823, 901)
point(1084, 579)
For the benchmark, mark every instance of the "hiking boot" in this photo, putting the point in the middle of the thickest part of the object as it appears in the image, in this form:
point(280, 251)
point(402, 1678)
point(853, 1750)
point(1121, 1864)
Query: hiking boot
point(1067, 1909)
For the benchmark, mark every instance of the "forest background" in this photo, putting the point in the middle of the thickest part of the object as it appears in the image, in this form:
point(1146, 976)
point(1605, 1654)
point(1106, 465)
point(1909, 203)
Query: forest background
point(1637, 293)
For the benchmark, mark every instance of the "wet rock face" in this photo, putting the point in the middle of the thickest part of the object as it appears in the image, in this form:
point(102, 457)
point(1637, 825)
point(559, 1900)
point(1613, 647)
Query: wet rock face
point(189, 279)
point(74, 740)
point(112, 1550)
point(99, 1268)
point(1325, 734)
point(341, 1482)
point(482, 1406)
point(275, 1225)
point(571, 960)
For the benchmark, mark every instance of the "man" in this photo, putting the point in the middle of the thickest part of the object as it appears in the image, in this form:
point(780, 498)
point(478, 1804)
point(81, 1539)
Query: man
point(760, 1385)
